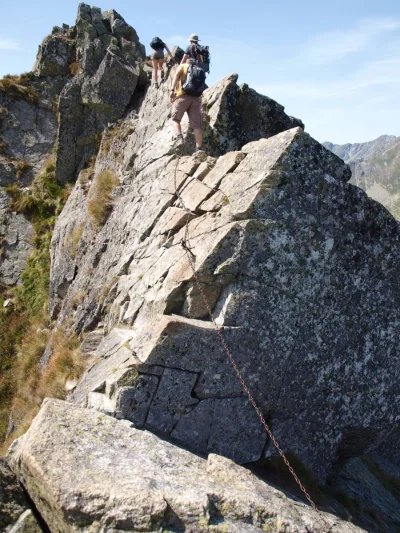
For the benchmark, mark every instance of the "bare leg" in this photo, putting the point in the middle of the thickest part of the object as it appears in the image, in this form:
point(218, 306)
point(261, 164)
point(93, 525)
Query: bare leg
point(177, 127)
point(160, 66)
point(155, 70)
point(198, 135)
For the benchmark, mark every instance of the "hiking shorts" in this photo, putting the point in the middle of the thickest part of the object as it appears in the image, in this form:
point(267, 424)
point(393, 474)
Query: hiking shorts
point(157, 54)
point(192, 106)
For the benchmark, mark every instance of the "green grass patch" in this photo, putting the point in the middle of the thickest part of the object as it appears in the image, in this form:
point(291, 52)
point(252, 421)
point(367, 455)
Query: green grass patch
point(25, 323)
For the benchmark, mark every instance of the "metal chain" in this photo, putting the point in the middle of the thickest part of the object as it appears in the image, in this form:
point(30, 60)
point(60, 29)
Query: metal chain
point(186, 246)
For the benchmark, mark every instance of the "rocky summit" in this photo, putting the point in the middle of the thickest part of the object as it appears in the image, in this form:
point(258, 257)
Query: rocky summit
point(159, 252)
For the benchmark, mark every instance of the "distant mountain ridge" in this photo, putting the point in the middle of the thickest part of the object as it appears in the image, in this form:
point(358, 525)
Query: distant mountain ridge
point(375, 167)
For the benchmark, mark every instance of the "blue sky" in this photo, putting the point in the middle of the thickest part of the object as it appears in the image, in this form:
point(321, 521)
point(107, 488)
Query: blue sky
point(335, 65)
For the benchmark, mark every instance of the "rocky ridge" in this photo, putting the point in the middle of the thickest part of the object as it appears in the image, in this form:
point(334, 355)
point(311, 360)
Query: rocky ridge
point(299, 267)
point(375, 168)
point(293, 238)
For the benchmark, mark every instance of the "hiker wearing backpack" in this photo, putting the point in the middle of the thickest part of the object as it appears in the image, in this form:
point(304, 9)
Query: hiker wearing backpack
point(157, 57)
point(187, 87)
point(200, 54)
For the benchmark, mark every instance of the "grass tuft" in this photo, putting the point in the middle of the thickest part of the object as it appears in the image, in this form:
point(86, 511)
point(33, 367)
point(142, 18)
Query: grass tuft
point(100, 205)
point(18, 88)
point(25, 323)
point(73, 239)
point(21, 167)
point(31, 383)
point(75, 69)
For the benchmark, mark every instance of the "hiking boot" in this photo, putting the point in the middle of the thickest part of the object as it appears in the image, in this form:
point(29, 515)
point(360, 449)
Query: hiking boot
point(156, 84)
point(178, 144)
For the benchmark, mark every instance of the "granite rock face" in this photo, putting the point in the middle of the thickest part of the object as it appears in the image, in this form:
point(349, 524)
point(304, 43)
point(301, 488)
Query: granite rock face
point(15, 233)
point(85, 472)
point(28, 132)
point(376, 508)
point(15, 514)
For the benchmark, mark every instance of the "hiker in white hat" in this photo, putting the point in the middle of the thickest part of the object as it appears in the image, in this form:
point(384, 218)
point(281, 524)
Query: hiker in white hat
point(199, 54)
point(192, 50)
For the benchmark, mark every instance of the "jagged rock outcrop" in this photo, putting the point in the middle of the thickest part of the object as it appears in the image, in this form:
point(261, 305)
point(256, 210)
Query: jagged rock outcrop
point(15, 513)
point(375, 168)
point(108, 53)
point(95, 66)
point(298, 266)
point(56, 53)
point(89, 472)
point(27, 129)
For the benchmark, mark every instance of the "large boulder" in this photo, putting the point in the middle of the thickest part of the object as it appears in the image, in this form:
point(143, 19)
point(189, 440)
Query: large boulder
point(89, 472)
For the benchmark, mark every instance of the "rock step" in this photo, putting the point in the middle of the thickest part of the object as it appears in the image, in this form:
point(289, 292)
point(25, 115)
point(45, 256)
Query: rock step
point(89, 472)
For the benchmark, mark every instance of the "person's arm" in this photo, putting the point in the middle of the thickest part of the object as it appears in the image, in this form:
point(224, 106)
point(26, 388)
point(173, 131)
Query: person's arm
point(167, 49)
point(184, 58)
point(175, 82)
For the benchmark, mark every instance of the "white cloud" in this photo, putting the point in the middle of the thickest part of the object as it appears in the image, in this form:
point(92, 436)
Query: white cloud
point(332, 46)
point(6, 44)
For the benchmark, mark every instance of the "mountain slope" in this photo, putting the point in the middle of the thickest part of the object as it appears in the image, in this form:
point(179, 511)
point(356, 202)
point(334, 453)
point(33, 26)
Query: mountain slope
point(375, 167)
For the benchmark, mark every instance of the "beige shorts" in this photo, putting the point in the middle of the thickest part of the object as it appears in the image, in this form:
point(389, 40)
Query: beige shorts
point(192, 106)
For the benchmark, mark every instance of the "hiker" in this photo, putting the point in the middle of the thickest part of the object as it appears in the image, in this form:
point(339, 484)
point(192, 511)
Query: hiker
point(187, 88)
point(200, 54)
point(157, 57)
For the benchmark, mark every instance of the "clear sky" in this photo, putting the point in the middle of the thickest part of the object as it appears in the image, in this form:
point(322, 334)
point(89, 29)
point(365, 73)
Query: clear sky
point(335, 65)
